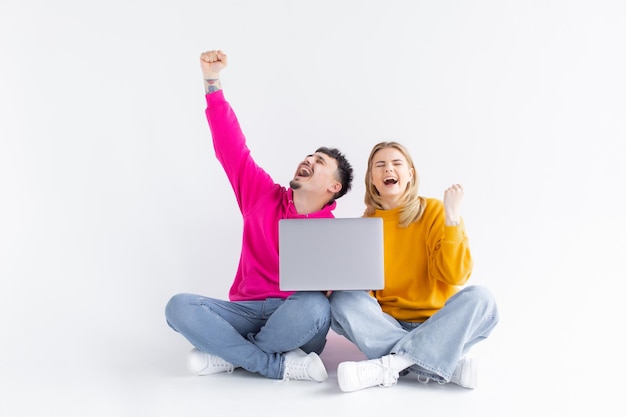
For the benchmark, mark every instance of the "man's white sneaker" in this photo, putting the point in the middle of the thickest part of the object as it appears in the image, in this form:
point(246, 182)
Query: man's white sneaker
point(303, 367)
point(353, 376)
point(202, 363)
point(466, 373)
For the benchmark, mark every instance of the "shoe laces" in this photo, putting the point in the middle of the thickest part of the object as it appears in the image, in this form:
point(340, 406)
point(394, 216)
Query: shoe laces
point(383, 365)
point(297, 370)
point(217, 362)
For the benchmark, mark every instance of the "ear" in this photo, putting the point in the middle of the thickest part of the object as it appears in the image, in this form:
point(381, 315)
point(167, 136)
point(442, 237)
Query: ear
point(335, 187)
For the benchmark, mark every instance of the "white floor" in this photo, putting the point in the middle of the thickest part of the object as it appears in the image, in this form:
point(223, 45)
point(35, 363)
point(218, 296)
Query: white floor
point(156, 383)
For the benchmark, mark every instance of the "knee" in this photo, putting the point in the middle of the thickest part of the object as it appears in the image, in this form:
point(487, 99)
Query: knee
point(315, 303)
point(175, 307)
point(339, 303)
point(344, 306)
point(483, 299)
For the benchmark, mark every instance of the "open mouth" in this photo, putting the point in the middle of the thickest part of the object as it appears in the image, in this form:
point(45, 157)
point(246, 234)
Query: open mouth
point(390, 181)
point(304, 171)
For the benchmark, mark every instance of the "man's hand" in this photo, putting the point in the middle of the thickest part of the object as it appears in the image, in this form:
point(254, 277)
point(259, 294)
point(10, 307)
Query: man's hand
point(452, 198)
point(212, 62)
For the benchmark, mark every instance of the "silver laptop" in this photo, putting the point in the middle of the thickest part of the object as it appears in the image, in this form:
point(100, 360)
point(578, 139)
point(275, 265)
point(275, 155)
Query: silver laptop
point(331, 254)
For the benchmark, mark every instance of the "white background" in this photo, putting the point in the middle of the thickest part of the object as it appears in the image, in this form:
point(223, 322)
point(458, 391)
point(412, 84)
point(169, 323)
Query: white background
point(111, 199)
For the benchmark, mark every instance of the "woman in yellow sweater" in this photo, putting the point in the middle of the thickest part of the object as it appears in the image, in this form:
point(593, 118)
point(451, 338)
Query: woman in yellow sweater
point(424, 321)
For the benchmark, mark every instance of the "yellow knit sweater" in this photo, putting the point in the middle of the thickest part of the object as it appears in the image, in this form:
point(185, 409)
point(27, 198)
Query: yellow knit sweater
point(424, 263)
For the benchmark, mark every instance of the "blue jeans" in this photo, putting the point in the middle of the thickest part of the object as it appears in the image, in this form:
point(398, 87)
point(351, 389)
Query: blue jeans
point(252, 334)
point(435, 346)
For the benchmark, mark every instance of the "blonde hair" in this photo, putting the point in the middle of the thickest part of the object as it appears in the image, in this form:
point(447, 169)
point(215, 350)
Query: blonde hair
point(412, 204)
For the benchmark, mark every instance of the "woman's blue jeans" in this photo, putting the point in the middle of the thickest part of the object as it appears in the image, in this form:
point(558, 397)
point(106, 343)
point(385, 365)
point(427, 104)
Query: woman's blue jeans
point(435, 346)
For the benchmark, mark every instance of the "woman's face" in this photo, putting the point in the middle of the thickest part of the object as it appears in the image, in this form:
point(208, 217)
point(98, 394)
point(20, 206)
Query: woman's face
point(390, 175)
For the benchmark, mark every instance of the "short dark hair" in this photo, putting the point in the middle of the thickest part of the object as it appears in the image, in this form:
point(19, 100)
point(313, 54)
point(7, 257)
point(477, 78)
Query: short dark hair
point(344, 170)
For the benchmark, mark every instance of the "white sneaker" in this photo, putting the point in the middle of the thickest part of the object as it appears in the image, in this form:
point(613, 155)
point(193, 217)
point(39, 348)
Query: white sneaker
point(303, 367)
point(466, 373)
point(353, 376)
point(202, 363)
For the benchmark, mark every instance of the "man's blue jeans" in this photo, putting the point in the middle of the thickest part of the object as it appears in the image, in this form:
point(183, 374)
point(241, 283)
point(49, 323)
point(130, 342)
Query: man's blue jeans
point(252, 334)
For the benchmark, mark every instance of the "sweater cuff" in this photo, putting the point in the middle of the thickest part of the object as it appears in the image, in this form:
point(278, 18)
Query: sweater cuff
point(215, 98)
point(453, 233)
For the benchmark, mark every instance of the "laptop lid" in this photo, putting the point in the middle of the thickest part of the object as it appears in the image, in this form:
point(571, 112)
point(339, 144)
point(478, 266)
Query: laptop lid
point(331, 254)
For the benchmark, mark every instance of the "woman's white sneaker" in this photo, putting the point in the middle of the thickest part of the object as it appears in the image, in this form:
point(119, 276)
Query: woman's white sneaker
point(353, 376)
point(466, 373)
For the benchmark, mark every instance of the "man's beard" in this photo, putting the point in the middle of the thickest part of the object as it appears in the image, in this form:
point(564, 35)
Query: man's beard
point(294, 184)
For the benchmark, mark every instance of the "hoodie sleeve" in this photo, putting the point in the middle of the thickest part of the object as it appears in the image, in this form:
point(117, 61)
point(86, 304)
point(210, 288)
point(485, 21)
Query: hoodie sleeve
point(249, 181)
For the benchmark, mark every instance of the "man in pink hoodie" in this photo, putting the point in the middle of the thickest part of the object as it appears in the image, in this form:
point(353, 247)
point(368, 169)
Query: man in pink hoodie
point(260, 328)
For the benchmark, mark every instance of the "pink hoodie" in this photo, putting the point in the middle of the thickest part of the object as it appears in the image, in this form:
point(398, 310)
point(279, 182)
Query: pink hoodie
point(262, 203)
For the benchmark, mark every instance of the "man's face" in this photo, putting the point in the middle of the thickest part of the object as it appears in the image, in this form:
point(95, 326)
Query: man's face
point(317, 172)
